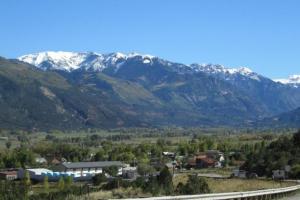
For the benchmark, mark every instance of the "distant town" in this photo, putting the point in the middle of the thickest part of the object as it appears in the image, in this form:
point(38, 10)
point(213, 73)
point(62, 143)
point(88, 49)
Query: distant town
point(109, 164)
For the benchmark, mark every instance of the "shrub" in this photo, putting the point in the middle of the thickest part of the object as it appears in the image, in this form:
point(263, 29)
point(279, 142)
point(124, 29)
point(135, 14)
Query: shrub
point(99, 178)
point(195, 185)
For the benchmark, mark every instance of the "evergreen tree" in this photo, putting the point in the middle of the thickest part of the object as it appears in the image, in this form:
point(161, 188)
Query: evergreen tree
point(296, 138)
point(46, 184)
point(99, 178)
point(26, 184)
point(112, 170)
point(61, 184)
point(196, 185)
point(8, 144)
point(145, 169)
point(180, 188)
point(26, 179)
point(68, 182)
point(152, 186)
point(165, 180)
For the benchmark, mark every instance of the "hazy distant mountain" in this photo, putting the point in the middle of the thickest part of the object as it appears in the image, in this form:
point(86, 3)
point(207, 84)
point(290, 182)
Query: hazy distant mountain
point(289, 119)
point(293, 80)
point(79, 90)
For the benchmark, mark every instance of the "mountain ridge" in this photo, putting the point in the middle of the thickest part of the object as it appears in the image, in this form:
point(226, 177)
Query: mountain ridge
point(120, 65)
point(292, 80)
point(136, 91)
point(70, 61)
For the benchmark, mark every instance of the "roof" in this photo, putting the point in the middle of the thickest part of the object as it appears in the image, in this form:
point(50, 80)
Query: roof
point(39, 171)
point(207, 160)
point(170, 165)
point(100, 164)
point(55, 161)
point(130, 169)
point(167, 153)
point(9, 172)
point(41, 160)
point(214, 152)
point(200, 156)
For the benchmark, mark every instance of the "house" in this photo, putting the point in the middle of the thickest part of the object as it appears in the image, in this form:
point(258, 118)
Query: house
point(4, 138)
point(202, 161)
point(8, 175)
point(172, 165)
point(216, 155)
point(207, 159)
point(88, 167)
point(239, 173)
point(205, 162)
point(192, 162)
point(55, 161)
point(129, 172)
point(169, 154)
point(41, 160)
point(278, 174)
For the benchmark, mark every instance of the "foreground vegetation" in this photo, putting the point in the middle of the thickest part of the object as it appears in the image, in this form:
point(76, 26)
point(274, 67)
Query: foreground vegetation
point(162, 185)
point(283, 152)
point(143, 148)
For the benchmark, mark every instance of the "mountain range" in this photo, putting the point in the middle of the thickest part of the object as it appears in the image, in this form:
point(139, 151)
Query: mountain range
point(70, 90)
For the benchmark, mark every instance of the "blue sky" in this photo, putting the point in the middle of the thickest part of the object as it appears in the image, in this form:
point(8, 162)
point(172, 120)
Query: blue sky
point(261, 34)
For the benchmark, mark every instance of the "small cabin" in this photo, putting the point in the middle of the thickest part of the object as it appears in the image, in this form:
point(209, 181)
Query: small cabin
point(239, 173)
point(278, 174)
point(9, 175)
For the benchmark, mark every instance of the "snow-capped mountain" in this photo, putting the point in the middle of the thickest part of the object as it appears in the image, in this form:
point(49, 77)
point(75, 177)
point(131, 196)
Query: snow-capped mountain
point(91, 61)
point(135, 90)
point(56, 60)
point(293, 80)
point(69, 61)
point(226, 73)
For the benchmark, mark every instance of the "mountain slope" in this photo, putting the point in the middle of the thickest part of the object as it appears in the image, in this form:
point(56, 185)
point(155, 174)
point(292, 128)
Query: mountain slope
point(68, 90)
point(31, 98)
point(289, 119)
point(24, 89)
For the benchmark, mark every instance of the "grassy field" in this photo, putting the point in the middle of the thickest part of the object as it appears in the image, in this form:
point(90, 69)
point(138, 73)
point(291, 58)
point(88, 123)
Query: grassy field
point(220, 171)
point(216, 186)
point(235, 185)
point(239, 185)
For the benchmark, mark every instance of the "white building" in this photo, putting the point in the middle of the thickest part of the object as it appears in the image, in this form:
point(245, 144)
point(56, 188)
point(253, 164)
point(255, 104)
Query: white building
point(38, 174)
point(88, 168)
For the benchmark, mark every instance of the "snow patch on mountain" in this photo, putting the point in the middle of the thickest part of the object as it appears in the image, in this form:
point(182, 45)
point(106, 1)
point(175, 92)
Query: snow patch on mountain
point(227, 72)
point(291, 80)
point(69, 61)
point(59, 60)
point(211, 68)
